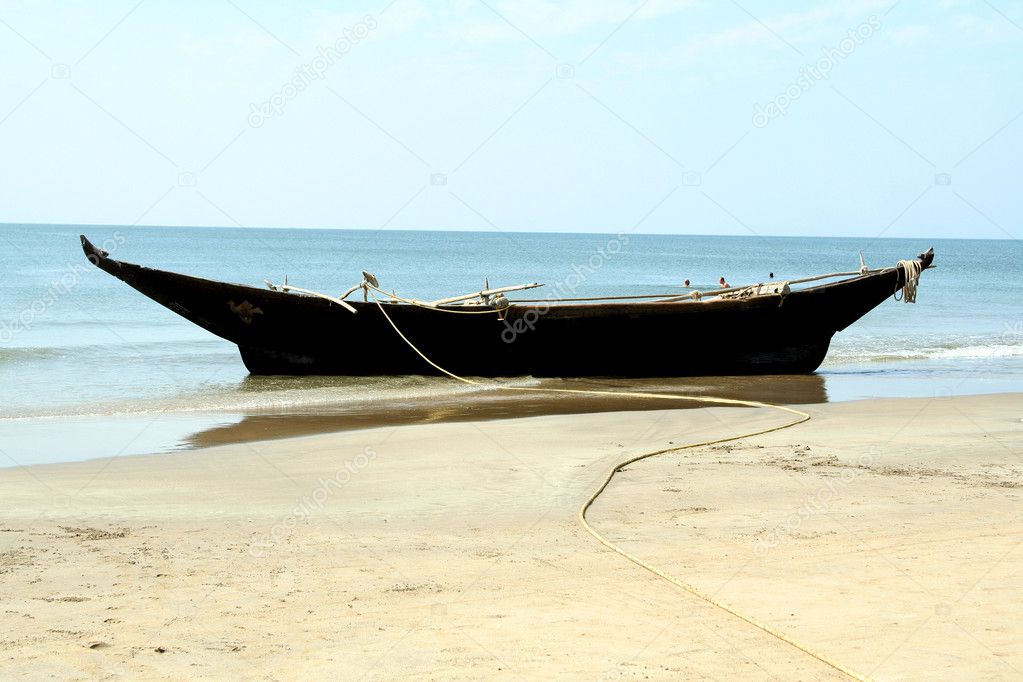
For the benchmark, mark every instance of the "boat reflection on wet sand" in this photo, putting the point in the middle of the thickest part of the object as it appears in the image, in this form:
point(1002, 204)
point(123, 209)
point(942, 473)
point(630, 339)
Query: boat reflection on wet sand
point(256, 426)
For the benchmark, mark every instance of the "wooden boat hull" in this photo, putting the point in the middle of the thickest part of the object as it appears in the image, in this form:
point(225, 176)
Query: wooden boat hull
point(286, 333)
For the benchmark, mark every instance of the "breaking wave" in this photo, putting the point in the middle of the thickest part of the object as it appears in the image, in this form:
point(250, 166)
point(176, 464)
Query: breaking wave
point(910, 349)
point(281, 394)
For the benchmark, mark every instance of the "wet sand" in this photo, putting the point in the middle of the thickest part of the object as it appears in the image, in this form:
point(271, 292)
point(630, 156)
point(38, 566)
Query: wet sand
point(501, 404)
point(884, 533)
point(45, 440)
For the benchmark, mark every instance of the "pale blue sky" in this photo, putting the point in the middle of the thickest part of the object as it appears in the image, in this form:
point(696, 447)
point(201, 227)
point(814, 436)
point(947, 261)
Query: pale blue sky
point(582, 116)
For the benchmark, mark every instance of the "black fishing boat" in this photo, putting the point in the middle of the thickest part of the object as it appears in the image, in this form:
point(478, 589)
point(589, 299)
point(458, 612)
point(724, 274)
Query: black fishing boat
point(772, 328)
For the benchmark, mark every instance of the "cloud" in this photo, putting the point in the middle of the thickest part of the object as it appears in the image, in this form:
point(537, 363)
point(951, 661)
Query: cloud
point(810, 29)
point(910, 35)
point(500, 21)
point(552, 18)
point(983, 30)
point(237, 42)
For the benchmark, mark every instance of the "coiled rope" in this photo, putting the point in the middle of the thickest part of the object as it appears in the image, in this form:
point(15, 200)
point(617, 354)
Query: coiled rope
point(912, 270)
point(692, 589)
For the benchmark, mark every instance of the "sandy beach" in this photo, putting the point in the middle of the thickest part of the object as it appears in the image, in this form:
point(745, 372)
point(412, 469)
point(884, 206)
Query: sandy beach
point(884, 534)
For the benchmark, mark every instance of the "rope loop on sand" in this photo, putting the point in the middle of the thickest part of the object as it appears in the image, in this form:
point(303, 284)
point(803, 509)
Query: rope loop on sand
point(800, 417)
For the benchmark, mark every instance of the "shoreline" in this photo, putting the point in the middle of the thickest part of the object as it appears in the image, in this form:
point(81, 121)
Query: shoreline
point(452, 549)
point(176, 431)
point(170, 429)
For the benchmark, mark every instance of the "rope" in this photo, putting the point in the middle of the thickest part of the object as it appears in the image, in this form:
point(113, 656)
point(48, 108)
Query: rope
point(912, 270)
point(800, 418)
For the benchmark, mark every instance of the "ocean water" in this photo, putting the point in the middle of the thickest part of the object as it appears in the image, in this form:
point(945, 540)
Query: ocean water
point(77, 345)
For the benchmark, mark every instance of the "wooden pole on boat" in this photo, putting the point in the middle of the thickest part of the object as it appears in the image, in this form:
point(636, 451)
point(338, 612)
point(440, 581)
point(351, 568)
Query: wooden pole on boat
point(484, 293)
point(333, 299)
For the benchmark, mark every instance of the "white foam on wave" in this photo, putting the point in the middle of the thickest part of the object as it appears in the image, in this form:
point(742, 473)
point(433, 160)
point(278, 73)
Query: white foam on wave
point(272, 394)
point(980, 352)
point(908, 352)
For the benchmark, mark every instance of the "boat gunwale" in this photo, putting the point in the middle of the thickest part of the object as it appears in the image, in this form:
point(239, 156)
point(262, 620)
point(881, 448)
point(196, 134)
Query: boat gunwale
point(98, 258)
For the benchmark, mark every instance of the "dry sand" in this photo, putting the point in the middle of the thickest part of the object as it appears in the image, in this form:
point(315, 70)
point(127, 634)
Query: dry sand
point(885, 534)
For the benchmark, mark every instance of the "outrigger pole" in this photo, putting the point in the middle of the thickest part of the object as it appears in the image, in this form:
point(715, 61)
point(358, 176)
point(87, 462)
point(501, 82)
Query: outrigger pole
point(484, 294)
